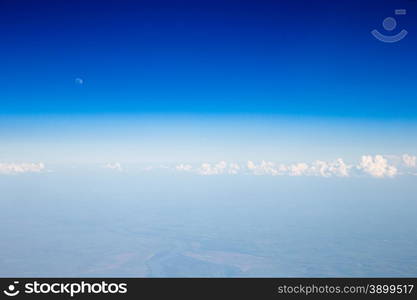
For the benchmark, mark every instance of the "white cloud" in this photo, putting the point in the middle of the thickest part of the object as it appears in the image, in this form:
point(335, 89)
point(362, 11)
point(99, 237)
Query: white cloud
point(221, 167)
point(184, 167)
point(159, 167)
point(377, 166)
point(251, 165)
point(212, 169)
point(327, 169)
point(207, 169)
point(409, 161)
point(319, 168)
point(13, 168)
point(114, 166)
point(233, 168)
point(340, 168)
point(298, 169)
point(265, 168)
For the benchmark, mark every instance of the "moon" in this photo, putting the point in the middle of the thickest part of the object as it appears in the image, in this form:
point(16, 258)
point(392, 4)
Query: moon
point(79, 81)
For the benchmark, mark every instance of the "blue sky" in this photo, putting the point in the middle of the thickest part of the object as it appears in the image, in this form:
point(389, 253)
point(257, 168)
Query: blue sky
point(164, 81)
point(288, 57)
point(195, 138)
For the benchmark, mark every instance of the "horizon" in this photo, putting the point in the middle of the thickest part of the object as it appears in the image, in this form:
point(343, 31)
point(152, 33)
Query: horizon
point(208, 138)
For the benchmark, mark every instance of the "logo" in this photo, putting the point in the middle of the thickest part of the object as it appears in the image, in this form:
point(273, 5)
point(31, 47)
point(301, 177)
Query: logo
point(69, 288)
point(11, 290)
point(389, 25)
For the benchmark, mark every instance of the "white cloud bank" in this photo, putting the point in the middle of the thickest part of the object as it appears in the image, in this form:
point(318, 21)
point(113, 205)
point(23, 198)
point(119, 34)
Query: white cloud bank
point(377, 166)
point(114, 166)
point(218, 168)
point(318, 168)
point(19, 168)
point(409, 161)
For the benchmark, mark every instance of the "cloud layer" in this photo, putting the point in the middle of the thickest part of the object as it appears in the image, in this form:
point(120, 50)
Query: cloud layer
point(377, 166)
point(14, 168)
point(114, 166)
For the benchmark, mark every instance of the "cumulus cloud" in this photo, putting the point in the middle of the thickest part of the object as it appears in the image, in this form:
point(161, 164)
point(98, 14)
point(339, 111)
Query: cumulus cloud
point(377, 166)
point(233, 168)
point(409, 161)
point(318, 168)
point(221, 167)
point(264, 168)
point(184, 167)
point(14, 168)
point(212, 169)
point(298, 169)
point(327, 169)
point(114, 166)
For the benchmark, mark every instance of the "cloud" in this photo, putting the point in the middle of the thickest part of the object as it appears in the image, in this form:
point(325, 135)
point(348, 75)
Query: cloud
point(212, 169)
point(265, 168)
point(377, 166)
point(233, 168)
point(409, 161)
point(327, 169)
point(13, 168)
point(298, 169)
point(114, 166)
point(318, 168)
point(184, 167)
point(221, 167)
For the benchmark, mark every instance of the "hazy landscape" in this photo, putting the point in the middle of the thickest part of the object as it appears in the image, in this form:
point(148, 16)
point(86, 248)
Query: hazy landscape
point(186, 225)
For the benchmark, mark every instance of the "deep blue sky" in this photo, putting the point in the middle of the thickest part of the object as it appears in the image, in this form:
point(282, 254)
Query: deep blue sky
point(304, 58)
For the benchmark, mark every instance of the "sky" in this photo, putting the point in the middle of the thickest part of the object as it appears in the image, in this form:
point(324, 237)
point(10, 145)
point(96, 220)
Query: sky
point(298, 58)
point(187, 81)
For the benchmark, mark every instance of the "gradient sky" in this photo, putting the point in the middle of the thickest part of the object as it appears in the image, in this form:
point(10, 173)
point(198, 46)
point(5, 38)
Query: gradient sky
point(113, 113)
point(204, 79)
